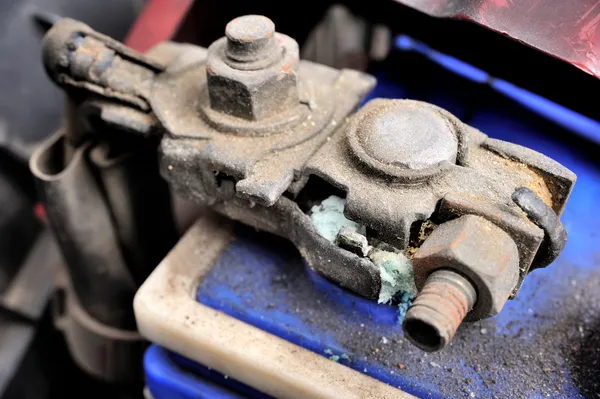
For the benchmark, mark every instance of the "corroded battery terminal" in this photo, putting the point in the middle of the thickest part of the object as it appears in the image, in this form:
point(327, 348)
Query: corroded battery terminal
point(399, 199)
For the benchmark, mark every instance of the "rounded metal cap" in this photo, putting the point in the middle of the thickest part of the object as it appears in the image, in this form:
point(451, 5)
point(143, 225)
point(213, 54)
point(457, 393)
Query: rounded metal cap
point(409, 137)
point(250, 38)
point(406, 139)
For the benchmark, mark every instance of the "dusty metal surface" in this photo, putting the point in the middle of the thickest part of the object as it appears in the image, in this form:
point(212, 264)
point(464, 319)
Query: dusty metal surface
point(263, 137)
point(565, 29)
point(487, 174)
point(252, 73)
point(85, 61)
point(261, 158)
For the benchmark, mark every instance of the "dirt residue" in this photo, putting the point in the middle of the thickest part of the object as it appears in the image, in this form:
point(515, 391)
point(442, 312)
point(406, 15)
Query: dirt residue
point(424, 230)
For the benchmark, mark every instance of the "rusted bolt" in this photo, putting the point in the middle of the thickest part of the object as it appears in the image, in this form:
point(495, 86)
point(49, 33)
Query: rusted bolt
point(251, 38)
point(252, 72)
point(461, 257)
point(438, 310)
point(477, 249)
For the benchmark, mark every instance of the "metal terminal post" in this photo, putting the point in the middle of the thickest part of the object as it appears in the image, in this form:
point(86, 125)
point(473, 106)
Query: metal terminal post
point(251, 42)
point(408, 141)
point(410, 137)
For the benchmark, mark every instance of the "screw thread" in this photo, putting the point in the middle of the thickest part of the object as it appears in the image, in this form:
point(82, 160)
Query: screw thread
point(438, 310)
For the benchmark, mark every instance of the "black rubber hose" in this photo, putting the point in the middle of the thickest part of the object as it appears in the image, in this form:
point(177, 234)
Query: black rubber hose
point(555, 234)
point(81, 221)
point(139, 201)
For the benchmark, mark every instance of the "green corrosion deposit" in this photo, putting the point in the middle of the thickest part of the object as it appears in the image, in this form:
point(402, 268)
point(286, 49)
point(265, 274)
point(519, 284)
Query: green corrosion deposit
point(396, 273)
point(404, 302)
point(335, 357)
point(328, 218)
point(395, 269)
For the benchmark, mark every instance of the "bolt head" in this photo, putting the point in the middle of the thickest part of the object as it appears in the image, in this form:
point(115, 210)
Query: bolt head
point(407, 140)
point(477, 249)
point(409, 137)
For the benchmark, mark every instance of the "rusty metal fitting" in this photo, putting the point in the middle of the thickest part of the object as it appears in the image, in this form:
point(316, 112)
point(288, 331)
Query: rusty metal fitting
point(252, 73)
point(477, 249)
point(251, 42)
point(438, 310)
point(86, 62)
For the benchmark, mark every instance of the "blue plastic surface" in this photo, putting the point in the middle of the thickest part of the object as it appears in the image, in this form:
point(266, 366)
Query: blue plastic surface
point(543, 344)
point(563, 116)
point(167, 380)
point(170, 376)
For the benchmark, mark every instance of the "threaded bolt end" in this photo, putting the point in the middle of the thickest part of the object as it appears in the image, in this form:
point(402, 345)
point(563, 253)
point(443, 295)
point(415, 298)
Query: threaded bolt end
point(250, 38)
point(438, 310)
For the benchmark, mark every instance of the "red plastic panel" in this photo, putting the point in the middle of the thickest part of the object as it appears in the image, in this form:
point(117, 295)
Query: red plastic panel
point(569, 30)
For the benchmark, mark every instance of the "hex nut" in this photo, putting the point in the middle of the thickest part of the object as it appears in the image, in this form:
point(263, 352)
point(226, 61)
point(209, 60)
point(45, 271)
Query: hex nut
point(480, 251)
point(256, 88)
